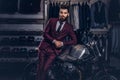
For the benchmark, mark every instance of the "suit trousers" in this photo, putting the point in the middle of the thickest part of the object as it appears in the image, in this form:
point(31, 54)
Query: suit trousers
point(45, 60)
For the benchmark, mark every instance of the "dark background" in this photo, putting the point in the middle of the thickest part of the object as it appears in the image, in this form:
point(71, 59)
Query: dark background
point(17, 22)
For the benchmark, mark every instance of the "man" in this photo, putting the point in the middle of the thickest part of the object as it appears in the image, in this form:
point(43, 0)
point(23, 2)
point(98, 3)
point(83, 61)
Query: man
point(57, 29)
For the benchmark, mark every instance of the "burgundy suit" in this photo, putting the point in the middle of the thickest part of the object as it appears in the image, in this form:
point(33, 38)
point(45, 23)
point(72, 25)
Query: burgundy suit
point(47, 50)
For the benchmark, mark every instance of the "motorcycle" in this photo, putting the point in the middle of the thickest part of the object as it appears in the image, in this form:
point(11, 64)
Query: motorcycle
point(81, 62)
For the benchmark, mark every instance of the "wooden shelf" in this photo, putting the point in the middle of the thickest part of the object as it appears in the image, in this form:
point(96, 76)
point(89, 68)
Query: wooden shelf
point(23, 16)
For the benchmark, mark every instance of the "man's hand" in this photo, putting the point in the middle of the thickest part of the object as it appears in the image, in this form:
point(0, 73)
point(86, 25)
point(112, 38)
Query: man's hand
point(58, 44)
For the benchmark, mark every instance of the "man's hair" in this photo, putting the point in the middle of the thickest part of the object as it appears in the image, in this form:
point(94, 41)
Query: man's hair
point(64, 7)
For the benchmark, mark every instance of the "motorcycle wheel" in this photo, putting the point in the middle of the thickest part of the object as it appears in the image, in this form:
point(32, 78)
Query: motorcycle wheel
point(58, 72)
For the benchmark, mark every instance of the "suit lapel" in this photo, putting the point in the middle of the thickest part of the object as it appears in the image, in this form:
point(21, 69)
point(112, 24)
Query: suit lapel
point(55, 25)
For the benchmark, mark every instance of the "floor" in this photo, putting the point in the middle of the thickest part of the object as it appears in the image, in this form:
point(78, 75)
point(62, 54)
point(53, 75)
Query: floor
point(15, 71)
point(115, 62)
point(11, 71)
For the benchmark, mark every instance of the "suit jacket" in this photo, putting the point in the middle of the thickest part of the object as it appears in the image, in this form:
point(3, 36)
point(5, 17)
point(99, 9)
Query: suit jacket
point(29, 6)
point(99, 16)
point(50, 34)
point(86, 16)
point(8, 6)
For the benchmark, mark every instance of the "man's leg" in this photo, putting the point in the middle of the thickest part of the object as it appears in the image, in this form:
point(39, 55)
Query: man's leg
point(40, 65)
point(47, 64)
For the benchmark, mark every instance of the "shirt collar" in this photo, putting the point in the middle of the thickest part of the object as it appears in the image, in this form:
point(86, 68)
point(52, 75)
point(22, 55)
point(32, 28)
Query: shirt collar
point(62, 22)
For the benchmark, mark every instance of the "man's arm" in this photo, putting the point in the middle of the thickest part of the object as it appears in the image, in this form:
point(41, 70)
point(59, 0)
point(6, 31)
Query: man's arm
point(46, 34)
point(73, 40)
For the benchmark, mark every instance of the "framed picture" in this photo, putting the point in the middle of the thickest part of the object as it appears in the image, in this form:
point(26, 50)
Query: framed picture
point(23, 9)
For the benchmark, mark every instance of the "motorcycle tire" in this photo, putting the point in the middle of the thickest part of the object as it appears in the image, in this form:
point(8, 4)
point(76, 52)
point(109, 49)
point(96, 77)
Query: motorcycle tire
point(59, 72)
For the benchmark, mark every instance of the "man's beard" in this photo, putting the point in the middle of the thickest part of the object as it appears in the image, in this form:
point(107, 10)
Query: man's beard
point(63, 19)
